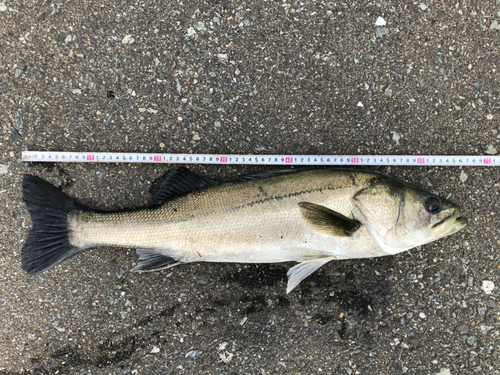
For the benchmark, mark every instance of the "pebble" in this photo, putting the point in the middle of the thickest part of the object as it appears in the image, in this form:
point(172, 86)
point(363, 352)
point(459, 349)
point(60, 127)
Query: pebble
point(494, 25)
point(155, 350)
point(380, 22)
point(17, 73)
point(422, 315)
point(486, 329)
point(462, 329)
point(381, 31)
point(479, 84)
point(162, 145)
point(201, 26)
point(463, 176)
point(196, 137)
point(76, 91)
point(14, 137)
point(471, 340)
point(226, 357)
point(217, 124)
point(488, 286)
point(423, 6)
point(3, 8)
point(193, 355)
point(3, 169)
point(396, 137)
point(491, 150)
point(395, 342)
point(128, 39)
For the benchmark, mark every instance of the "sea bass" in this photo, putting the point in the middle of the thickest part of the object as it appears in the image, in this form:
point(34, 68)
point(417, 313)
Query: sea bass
point(310, 217)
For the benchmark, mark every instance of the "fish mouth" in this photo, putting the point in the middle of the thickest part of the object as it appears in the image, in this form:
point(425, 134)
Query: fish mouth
point(450, 224)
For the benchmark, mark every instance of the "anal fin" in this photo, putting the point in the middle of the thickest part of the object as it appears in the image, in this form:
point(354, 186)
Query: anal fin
point(153, 261)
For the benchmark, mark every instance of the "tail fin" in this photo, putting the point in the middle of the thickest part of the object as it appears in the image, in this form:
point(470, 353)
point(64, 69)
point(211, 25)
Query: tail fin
point(48, 242)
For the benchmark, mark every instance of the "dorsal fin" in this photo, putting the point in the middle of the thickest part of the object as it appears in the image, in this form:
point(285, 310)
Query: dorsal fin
point(179, 181)
point(328, 221)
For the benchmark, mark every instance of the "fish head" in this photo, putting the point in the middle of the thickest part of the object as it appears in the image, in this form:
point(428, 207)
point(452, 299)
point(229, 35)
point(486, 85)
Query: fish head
point(401, 216)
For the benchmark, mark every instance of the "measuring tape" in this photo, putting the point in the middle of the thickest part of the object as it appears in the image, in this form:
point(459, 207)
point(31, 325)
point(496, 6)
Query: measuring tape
point(320, 160)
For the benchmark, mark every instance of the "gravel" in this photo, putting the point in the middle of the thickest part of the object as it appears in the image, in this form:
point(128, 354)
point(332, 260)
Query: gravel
point(241, 77)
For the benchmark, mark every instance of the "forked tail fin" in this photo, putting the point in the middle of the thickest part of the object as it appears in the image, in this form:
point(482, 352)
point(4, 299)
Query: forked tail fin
point(48, 243)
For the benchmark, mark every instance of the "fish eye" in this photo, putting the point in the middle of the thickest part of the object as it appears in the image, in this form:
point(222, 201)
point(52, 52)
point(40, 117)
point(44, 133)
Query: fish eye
point(433, 205)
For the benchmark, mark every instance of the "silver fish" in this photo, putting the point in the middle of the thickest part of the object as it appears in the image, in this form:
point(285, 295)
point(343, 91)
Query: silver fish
point(310, 217)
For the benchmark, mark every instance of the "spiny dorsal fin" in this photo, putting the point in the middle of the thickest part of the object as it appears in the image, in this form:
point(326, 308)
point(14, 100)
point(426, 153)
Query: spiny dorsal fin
point(328, 221)
point(179, 181)
point(153, 261)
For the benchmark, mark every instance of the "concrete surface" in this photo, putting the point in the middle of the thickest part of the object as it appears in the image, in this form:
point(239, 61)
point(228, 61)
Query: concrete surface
point(250, 77)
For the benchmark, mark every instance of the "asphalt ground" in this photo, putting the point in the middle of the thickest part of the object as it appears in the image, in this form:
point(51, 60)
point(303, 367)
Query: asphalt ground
point(250, 77)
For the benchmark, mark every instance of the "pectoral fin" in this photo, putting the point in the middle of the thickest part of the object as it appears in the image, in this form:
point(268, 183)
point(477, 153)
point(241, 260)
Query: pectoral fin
point(299, 272)
point(153, 261)
point(328, 221)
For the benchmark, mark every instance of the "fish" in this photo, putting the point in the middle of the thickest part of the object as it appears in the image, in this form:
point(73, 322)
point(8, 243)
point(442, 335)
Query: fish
point(310, 217)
